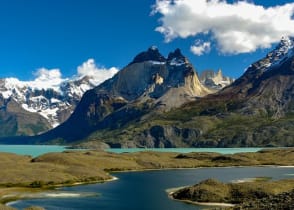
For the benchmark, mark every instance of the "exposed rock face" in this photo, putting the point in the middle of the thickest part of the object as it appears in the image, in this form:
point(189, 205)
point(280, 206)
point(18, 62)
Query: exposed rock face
point(29, 110)
point(215, 80)
point(166, 137)
point(15, 120)
point(268, 84)
point(152, 54)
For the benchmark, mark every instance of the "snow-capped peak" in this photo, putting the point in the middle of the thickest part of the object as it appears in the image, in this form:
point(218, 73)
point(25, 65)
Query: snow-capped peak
point(284, 50)
point(50, 95)
point(176, 58)
point(153, 47)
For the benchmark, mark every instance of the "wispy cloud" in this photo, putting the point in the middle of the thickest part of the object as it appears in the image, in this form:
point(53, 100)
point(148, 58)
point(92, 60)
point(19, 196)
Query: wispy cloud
point(53, 78)
point(97, 74)
point(200, 47)
point(47, 78)
point(240, 27)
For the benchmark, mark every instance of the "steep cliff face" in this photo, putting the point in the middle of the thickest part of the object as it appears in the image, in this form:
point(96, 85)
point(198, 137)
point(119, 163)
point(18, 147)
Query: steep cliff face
point(267, 86)
point(215, 80)
point(159, 136)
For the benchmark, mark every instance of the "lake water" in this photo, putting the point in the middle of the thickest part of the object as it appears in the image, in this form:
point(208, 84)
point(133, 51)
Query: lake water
point(32, 150)
point(146, 190)
point(36, 150)
point(187, 150)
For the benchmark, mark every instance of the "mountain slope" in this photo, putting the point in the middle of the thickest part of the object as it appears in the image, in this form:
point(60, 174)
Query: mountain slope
point(33, 107)
point(150, 84)
point(268, 84)
point(255, 110)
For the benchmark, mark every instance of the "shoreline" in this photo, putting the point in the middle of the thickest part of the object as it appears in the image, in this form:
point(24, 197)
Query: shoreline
point(201, 167)
point(24, 192)
point(172, 190)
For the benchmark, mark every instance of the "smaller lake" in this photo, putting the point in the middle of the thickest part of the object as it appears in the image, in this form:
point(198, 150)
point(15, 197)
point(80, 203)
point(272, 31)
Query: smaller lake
point(187, 150)
point(32, 150)
point(37, 150)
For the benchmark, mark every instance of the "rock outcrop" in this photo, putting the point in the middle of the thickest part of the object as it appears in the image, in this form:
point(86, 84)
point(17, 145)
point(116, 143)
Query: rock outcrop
point(215, 80)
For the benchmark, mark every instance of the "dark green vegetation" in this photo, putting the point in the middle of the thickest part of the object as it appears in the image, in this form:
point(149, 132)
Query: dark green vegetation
point(248, 195)
point(21, 174)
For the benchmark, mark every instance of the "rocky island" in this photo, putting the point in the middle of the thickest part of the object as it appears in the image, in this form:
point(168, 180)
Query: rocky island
point(254, 194)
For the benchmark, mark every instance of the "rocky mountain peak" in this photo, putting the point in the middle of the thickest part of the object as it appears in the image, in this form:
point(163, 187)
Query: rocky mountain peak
point(176, 54)
point(52, 103)
point(215, 79)
point(275, 58)
point(176, 58)
point(152, 75)
point(282, 51)
point(152, 54)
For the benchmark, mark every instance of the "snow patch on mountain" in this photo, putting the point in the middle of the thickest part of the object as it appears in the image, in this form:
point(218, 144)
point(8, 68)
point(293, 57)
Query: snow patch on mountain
point(284, 50)
point(177, 62)
point(49, 94)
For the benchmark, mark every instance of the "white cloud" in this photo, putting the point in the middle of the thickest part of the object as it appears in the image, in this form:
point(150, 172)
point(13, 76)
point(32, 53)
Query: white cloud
point(199, 48)
point(44, 74)
point(99, 75)
point(47, 78)
point(240, 27)
point(52, 78)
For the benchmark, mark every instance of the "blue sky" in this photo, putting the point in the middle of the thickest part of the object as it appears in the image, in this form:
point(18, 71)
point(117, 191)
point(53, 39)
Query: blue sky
point(63, 34)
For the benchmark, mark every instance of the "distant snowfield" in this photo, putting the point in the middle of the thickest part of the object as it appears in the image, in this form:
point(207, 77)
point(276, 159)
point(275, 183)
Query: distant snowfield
point(49, 93)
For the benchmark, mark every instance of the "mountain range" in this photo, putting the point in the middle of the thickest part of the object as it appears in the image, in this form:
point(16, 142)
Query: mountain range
point(161, 102)
point(33, 107)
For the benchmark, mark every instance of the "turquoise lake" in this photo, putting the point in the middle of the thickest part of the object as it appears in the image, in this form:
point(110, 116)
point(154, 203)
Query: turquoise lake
point(36, 150)
point(32, 150)
point(187, 150)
